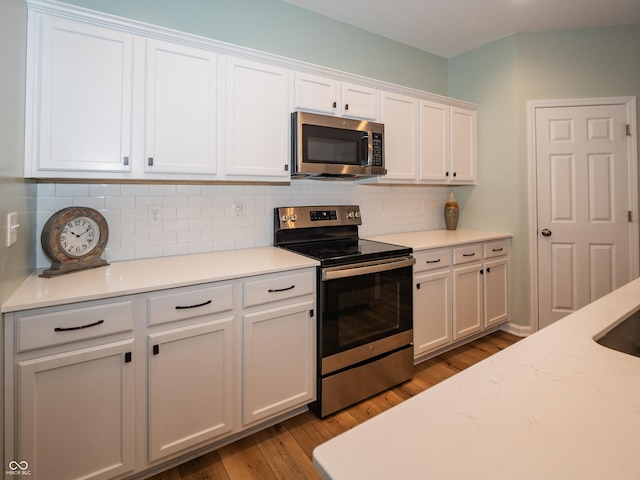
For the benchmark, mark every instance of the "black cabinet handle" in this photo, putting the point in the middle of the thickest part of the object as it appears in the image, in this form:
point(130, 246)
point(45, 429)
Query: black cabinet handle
point(68, 329)
point(433, 261)
point(182, 307)
point(271, 290)
point(468, 254)
point(496, 249)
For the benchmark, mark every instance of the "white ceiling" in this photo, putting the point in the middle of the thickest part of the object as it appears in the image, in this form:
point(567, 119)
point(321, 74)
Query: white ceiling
point(451, 27)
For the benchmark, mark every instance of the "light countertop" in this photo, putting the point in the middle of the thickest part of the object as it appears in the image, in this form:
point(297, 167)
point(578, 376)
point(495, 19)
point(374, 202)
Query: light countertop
point(555, 405)
point(136, 276)
point(427, 239)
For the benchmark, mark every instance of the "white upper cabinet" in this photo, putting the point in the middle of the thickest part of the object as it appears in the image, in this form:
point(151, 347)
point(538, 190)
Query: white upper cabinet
point(108, 98)
point(359, 101)
point(181, 109)
point(315, 93)
point(257, 120)
point(80, 98)
point(447, 144)
point(399, 114)
point(332, 97)
point(463, 145)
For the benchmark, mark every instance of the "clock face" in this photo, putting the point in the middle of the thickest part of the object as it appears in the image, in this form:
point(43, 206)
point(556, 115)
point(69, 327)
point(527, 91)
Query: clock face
point(79, 236)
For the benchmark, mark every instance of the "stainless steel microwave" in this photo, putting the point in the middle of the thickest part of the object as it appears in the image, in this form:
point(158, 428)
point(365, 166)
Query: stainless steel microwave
point(332, 147)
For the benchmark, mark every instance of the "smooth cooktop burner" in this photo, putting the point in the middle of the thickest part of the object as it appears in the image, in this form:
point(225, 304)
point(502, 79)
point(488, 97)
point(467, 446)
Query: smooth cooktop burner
point(348, 251)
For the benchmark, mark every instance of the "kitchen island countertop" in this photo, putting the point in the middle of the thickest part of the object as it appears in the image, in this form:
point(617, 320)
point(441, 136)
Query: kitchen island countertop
point(555, 405)
point(137, 276)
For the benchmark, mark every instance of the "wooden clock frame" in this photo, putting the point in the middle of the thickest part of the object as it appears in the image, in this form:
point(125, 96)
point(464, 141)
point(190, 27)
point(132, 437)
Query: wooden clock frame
point(61, 262)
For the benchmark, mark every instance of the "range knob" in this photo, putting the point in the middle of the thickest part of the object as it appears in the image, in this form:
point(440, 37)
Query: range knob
point(351, 215)
point(293, 217)
point(284, 217)
point(357, 214)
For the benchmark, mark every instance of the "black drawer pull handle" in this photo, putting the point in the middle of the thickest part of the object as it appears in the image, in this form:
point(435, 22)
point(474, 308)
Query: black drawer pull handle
point(68, 329)
point(271, 290)
point(433, 261)
point(496, 249)
point(468, 254)
point(182, 307)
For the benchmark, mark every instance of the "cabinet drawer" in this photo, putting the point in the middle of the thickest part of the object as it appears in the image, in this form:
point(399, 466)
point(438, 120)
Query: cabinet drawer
point(431, 260)
point(278, 288)
point(73, 324)
point(467, 253)
point(189, 302)
point(496, 249)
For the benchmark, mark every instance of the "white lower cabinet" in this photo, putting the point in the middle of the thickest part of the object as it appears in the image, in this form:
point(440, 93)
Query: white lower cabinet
point(468, 301)
point(110, 389)
point(460, 292)
point(278, 350)
point(278, 361)
point(76, 413)
point(190, 386)
point(432, 301)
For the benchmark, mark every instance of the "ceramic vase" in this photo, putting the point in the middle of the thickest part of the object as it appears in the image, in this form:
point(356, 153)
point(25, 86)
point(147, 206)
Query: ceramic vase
point(451, 212)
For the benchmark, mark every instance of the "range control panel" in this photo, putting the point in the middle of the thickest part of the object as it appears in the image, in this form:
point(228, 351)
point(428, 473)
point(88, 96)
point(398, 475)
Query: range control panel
point(305, 217)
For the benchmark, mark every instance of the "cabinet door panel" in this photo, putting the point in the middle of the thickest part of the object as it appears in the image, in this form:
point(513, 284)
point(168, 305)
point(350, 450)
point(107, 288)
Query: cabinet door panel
point(400, 117)
point(85, 88)
point(190, 386)
point(359, 101)
point(496, 292)
point(258, 118)
point(181, 109)
point(432, 311)
point(77, 413)
point(279, 356)
point(468, 300)
point(315, 93)
point(434, 142)
point(463, 145)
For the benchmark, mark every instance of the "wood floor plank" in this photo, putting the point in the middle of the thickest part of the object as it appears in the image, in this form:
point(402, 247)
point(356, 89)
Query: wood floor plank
point(284, 455)
point(244, 460)
point(308, 430)
point(285, 451)
point(206, 467)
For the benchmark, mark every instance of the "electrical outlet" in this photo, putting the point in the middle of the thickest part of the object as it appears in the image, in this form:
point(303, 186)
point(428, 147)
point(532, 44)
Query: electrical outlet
point(238, 209)
point(155, 214)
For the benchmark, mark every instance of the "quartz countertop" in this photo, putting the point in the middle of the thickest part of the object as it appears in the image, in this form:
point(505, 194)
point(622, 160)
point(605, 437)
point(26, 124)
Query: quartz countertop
point(137, 276)
point(426, 239)
point(555, 405)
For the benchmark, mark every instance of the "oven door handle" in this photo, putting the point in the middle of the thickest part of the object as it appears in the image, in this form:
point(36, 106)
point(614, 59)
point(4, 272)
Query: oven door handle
point(333, 273)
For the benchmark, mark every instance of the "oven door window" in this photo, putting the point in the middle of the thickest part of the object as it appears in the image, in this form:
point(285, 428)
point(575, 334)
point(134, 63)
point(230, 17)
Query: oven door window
point(364, 308)
point(334, 146)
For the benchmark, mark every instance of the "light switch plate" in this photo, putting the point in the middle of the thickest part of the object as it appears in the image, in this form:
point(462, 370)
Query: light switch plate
point(12, 228)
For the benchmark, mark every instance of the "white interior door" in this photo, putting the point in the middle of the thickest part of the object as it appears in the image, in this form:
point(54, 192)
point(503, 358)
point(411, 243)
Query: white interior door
point(583, 203)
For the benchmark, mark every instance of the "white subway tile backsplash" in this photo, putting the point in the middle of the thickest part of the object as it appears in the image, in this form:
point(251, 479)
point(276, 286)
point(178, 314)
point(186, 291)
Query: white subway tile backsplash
point(202, 218)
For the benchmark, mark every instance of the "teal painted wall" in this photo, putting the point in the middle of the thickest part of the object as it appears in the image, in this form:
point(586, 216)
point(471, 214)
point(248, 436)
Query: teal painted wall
point(283, 29)
point(16, 194)
point(502, 77)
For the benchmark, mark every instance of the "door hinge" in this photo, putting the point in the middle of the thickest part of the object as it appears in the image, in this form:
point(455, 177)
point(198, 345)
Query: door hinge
point(628, 130)
point(127, 357)
point(311, 313)
point(630, 216)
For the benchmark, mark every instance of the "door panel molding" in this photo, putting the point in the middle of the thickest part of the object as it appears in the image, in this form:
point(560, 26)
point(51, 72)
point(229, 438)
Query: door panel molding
point(564, 131)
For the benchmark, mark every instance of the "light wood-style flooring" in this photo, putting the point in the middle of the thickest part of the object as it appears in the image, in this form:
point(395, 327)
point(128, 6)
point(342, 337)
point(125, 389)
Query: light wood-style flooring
point(284, 450)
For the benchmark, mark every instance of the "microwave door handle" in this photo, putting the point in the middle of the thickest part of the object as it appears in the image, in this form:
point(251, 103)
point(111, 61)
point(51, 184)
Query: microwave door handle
point(365, 144)
point(334, 273)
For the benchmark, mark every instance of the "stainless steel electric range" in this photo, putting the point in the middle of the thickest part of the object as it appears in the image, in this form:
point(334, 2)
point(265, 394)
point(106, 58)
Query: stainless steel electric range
point(364, 302)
